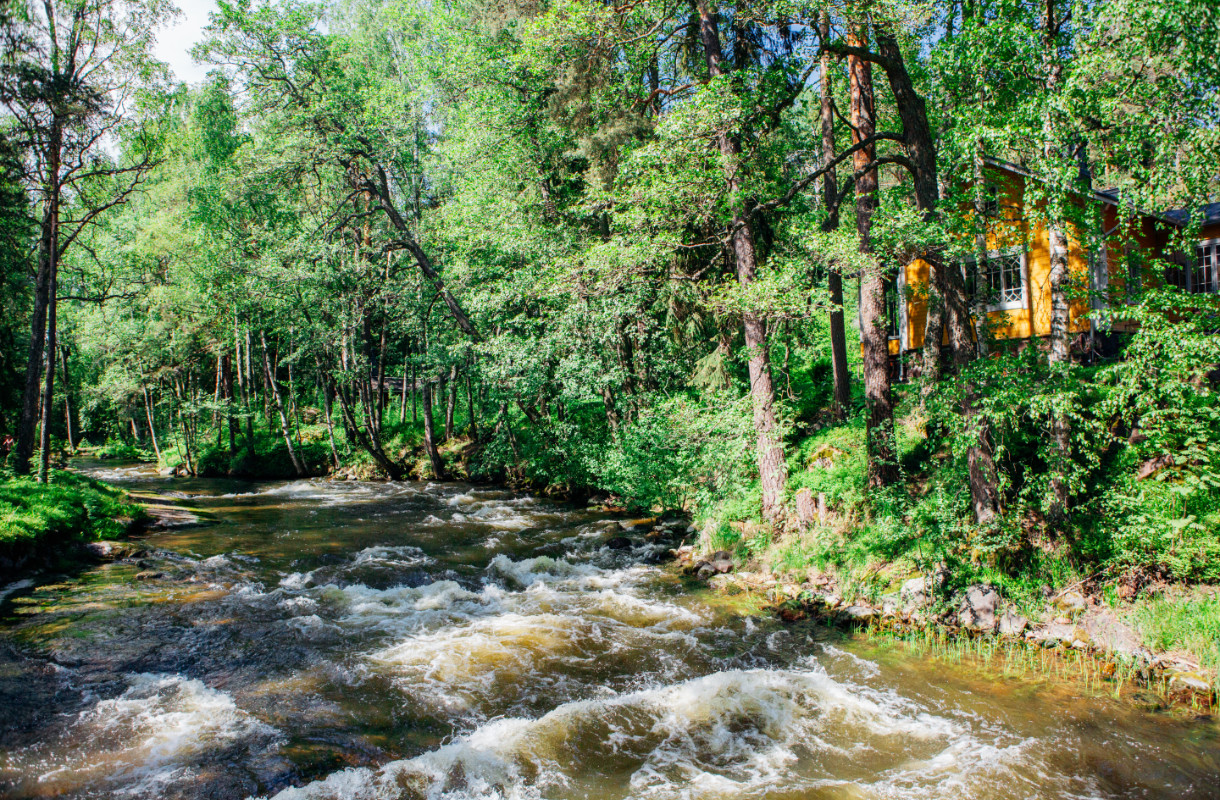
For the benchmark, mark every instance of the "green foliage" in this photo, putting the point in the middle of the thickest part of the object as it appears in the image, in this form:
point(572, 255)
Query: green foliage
point(123, 451)
point(681, 453)
point(68, 506)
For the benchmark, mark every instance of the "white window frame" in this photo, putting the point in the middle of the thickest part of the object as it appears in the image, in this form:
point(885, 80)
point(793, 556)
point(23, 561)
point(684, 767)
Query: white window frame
point(1023, 255)
point(1192, 270)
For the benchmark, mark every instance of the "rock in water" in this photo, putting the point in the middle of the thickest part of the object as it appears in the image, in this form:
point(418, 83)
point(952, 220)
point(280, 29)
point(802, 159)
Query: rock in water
point(619, 543)
point(978, 609)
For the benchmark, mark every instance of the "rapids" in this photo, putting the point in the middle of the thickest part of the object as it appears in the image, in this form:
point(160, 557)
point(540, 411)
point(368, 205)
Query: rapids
point(356, 640)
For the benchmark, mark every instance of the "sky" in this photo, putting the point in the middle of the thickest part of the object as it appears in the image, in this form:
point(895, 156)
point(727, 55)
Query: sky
point(174, 44)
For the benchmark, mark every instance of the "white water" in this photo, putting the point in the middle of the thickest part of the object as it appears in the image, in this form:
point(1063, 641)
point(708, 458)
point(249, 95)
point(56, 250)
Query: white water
point(476, 644)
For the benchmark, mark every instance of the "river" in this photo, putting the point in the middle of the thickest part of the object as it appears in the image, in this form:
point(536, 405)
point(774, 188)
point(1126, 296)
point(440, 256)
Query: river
point(365, 640)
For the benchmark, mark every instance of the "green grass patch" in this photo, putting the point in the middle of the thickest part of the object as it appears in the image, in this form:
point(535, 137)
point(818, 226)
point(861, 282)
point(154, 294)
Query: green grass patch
point(68, 506)
point(1182, 623)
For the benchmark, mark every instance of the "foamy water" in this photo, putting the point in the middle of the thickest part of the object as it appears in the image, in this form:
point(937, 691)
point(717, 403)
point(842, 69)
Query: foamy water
point(402, 641)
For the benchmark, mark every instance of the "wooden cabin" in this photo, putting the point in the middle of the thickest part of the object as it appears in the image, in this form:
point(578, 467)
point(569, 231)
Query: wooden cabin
point(1018, 266)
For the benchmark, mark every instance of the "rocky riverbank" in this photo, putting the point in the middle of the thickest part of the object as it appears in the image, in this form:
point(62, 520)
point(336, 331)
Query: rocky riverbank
point(1072, 620)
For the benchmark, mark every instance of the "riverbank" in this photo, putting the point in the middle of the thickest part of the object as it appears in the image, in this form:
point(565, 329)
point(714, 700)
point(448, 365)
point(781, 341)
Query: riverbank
point(1166, 637)
point(45, 524)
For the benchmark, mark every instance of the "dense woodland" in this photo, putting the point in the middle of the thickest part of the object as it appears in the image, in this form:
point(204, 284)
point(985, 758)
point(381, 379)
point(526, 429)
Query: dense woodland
point(637, 250)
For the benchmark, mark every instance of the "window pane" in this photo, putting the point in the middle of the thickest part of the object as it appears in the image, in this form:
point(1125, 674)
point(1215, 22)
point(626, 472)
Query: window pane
point(1205, 271)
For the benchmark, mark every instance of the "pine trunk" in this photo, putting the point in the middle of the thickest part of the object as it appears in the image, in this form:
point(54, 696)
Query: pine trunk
point(878, 399)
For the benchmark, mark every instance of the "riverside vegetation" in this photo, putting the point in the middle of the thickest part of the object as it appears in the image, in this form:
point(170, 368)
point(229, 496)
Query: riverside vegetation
point(615, 251)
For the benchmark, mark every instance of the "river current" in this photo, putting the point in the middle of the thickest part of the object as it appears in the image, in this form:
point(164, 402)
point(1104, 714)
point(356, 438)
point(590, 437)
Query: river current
point(355, 640)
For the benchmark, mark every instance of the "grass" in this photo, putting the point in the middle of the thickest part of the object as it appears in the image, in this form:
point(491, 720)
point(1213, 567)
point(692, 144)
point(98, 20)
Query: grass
point(1116, 677)
point(69, 506)
point(1182, 623)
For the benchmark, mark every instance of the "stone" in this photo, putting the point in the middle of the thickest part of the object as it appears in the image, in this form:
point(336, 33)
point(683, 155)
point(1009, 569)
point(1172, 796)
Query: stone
point(1070, 602)
point(167, 472)
point(104, 551)
point(726, 584)
point(889, 606)
point(1193, 681)
point(619, 543)
point(721, 561)
point(1013, 624)
point(832, 600)
point(978, 609)
point(914, 593)
point(858, 613)
point(149, 575)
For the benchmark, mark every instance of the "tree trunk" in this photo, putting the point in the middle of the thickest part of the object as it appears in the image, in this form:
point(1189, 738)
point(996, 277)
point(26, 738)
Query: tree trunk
point(226, 368)
point(921, 151)
point(330, 423)
point(402, 408)
point(48, 397)
point(981, 286)
point(152, 427)
point(273, 385)
point(450, 402)
point(31, 402)
point(882, 461)
point(834, 279)
point(434, 456)
point(1058, 356)
point(769, 448)
point(63, 354)
point(414, 394)
point(472, 425)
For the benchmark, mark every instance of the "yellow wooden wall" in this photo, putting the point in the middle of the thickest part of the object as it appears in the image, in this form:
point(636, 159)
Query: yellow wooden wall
point(1035, 318)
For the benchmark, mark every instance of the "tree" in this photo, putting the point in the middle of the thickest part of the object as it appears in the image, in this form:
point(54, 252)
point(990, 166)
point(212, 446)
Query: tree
point(70, 78)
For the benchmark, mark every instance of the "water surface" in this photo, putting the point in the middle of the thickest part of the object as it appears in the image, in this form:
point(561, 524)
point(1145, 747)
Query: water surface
point(364, 640)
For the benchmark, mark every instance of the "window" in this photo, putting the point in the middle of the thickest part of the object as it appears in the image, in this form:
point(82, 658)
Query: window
point(1204, 278)
point(1005, 279)
point(891, 308)
point(991, 201)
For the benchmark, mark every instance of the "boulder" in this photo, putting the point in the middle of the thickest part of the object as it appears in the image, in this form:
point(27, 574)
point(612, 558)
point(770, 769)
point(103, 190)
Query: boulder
point(1190, 680)
point(1070, 602)
point(149, 575)
point(104, 551)
point(832, 600)
point(721, 561)
point(914, 593)
point(619, 543)
point(858, 613)
point(1013, 624)
point(977, 611)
